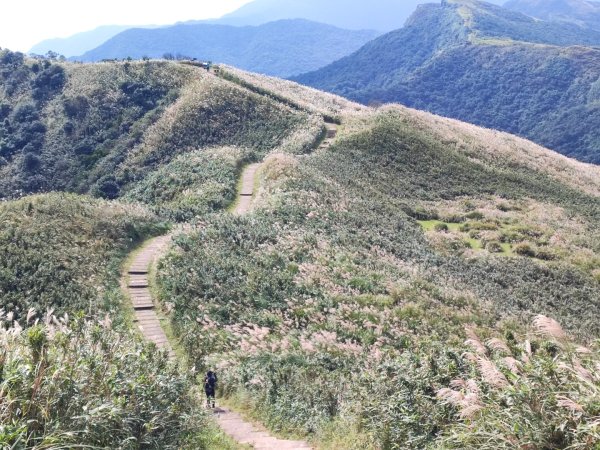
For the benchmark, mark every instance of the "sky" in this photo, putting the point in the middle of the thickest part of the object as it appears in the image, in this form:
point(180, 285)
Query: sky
point(24, 23)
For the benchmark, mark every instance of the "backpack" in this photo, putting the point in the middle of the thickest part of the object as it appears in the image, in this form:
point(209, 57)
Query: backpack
point(211, 380)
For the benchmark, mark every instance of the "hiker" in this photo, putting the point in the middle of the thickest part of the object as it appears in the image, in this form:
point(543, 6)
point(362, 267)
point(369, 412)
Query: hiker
point(210, 386)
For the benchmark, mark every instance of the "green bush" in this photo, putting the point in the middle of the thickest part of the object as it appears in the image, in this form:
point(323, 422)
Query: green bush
point(442, 227)
point(494, 247)
point(525, 249)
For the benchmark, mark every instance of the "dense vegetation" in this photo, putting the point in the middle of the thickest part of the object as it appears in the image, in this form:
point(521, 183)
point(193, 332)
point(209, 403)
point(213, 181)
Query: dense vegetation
point(63, 252)
point(486, 65)
point(101, 129)
point(193, 184)
point(72, 383)
point(330, 309)
point(72, 372)
point(283, 48)
point(380, 296)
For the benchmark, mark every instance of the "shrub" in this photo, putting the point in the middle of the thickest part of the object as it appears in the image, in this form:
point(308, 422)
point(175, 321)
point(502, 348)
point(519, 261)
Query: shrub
point(63, 252)
point(441, 227)
point(499, 406)
point(525, 249)
point(494, 247)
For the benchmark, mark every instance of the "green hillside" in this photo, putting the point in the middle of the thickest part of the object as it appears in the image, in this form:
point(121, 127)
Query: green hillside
point(72, 368)
point(63, 252)
point(385, 291)
point(72, 371)
point(101, 128)
point(282, 48)
point(486, 65)
point(344, 301)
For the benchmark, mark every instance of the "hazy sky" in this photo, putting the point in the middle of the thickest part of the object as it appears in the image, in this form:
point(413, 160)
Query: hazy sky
point(24, 23)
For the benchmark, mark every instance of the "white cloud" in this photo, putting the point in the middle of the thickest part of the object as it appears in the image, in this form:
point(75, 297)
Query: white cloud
point(24, 23)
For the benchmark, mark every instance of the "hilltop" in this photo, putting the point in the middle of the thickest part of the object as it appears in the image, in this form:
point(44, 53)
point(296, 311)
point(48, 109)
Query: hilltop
point(383, 15)
point(486, 65)
point(380, 294)
point(283, 48)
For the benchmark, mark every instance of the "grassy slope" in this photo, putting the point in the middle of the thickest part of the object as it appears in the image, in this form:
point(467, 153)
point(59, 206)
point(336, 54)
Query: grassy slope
point(485, 65)
point(103, 129)
point(63, 252)
point(331, 307)
point(71, 383)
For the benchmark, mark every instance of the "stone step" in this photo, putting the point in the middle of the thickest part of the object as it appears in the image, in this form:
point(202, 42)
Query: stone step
point(143, 306)
point(138, 269)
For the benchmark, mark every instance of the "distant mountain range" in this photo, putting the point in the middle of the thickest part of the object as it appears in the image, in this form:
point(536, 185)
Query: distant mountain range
point(581, 12)
point(486, 65)
point(79, 43)
point(281, 48)
point(384, 15)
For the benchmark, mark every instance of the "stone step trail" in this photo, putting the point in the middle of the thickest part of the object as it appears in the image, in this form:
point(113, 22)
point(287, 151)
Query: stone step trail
point(138, 289)
point(246, 194)
point(231, 422)
point(246, 433)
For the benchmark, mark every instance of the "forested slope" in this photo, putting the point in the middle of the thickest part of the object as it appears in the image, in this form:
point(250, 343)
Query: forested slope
point(486, 65)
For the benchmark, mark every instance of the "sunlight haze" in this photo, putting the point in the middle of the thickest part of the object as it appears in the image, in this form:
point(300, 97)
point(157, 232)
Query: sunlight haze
point(25, 23)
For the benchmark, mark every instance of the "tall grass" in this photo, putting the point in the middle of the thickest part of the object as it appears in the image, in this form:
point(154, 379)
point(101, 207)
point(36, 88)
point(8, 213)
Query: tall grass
point(329, 304)
point(64, 251)
point(72, 383)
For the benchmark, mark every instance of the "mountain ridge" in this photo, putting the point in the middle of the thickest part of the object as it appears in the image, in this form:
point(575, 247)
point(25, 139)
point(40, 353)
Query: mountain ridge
point(483, 64)
point(580, 12)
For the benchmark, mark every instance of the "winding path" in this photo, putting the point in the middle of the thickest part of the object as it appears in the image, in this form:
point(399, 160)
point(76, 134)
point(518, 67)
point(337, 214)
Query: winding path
point(138, 289)
point(231, 422)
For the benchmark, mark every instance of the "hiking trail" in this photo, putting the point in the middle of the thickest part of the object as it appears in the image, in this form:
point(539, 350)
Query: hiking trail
point(136, 280)
point(138, 289)
point(231, 422)
point(137, 285)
